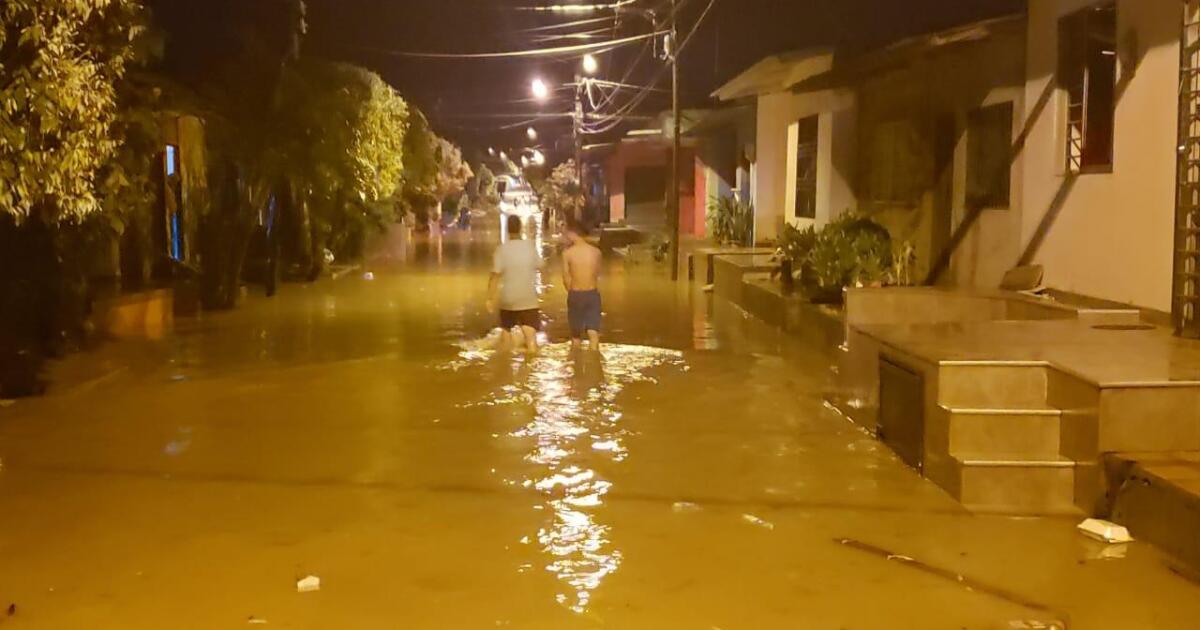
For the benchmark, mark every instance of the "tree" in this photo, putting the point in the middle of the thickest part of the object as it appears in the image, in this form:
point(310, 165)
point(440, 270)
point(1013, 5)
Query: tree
point(342, 149)
point(486, 196)
point(453, 171)
point(418, 192)
point(234, 54)
point(60, 61)
point(59, 64)
point(560, 194)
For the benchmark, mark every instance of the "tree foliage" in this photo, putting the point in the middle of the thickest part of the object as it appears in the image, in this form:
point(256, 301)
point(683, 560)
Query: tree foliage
point(560, 193)
point(341, 146)
point(60, 61)
point(483, 189)
point(344, 132)
point(453, 170)
point(434, 170)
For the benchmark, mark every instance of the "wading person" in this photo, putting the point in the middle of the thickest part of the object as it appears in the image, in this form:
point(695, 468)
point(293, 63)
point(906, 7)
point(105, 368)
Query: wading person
point(581, 273)
point(513, 287)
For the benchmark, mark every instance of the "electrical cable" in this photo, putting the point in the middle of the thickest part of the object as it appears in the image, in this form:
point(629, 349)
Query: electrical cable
point(541, 52)
point(620, 116)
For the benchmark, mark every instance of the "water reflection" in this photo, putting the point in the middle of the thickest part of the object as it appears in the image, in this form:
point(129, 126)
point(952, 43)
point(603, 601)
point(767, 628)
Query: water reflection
point(575, 423)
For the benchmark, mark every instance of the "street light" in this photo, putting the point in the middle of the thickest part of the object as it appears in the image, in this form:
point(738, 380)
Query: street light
point(540, 90)
point(532, 134)
point(590, 65)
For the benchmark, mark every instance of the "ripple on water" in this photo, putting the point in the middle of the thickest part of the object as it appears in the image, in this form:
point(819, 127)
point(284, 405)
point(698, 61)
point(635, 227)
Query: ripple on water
point(575, 416)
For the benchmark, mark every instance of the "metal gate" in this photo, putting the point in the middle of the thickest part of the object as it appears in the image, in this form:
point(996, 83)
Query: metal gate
point(1186, 306)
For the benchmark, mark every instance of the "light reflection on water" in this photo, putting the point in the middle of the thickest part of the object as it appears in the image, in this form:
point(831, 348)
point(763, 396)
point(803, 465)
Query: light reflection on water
point(575, 419)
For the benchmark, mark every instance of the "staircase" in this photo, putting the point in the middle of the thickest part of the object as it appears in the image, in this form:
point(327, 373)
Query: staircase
point(1157, 495)
point(994, 443)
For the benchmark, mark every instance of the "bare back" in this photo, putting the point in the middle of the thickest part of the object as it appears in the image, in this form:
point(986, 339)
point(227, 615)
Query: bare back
point(581, 267)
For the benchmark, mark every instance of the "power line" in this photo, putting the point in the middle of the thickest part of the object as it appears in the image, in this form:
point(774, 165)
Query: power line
point(541, 52)
point(574, 8)
point(619, 117)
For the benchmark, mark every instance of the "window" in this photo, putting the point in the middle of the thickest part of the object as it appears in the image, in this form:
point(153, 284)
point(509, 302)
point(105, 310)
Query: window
point(989, 156)
point(1087, 74)
point(172, 160)
point(900, 163)
point(807, 144)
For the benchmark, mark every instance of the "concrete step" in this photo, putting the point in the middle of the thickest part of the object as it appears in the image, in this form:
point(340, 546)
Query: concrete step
point(992, 384)
point(1016, 483)
point(1032, 432)
point(1157, 496)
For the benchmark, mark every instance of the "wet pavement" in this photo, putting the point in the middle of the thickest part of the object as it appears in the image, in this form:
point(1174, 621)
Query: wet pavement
point(353, 430)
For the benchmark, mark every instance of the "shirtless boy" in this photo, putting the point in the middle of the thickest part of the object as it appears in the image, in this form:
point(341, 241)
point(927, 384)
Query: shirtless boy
point(581, 271)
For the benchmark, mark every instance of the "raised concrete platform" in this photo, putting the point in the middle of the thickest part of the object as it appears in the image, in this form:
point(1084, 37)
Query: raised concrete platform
point(1157, 496)
point(614, 236)
point(144, 315)
point(730, 271)
point(1009, 402)
point(793, 313)
point(700, 261)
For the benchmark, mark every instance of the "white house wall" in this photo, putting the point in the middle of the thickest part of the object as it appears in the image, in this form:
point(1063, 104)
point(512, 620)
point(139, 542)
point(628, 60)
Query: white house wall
point(774, 177)
point(1113, 236)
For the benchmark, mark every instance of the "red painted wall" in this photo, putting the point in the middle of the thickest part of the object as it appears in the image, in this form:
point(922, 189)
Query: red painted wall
point(642, 153)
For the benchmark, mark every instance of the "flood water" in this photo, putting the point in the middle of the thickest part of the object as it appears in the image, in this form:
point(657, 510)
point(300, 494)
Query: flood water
point(353, 430)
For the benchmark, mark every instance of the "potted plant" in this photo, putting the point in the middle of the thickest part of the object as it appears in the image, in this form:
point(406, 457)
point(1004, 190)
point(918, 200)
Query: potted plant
point(731, 221)
point(795, 247)
point(851, 251)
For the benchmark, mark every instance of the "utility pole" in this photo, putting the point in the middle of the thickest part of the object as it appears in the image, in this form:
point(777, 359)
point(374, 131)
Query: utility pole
point(579, 139)
point(673, 206)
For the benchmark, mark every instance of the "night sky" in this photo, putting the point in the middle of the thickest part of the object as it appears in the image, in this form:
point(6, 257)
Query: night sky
point(468, 100)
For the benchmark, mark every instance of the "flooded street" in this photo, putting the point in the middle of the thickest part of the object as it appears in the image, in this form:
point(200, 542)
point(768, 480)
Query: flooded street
point(353, 430)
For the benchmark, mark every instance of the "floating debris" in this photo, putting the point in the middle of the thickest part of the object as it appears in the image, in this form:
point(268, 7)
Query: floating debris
point(1105, 531)
point(1107, 552)
point(754, 520)
point(683, 507)
point(255, 621)
point(11, 610)
point(309, 584)
point(946, 574)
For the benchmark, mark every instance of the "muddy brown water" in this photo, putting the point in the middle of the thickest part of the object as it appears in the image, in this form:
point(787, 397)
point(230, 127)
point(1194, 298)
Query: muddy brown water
point(693, 478)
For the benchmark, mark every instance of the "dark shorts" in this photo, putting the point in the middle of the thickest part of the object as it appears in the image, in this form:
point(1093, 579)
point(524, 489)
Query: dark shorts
point(583, 312)
point(531, 318)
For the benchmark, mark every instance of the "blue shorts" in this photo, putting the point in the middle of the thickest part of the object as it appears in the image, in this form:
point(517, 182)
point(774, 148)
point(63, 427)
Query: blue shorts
point(583, 312)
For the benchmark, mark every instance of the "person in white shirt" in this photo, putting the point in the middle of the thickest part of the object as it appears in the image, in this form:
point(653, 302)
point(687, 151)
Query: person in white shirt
point(513, 287)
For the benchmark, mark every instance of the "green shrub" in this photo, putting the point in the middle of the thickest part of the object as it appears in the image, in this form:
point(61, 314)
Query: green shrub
point(851, 251)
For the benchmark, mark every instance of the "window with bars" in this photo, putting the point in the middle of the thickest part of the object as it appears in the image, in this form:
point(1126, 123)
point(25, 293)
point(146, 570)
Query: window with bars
point(1087, 74)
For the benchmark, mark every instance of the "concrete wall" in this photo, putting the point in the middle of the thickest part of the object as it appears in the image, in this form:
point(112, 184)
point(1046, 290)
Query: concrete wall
point(992, 244)
point(775, 166)
point(935, 92)
point(1112, 236)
